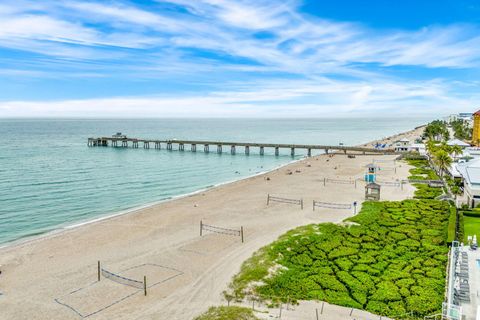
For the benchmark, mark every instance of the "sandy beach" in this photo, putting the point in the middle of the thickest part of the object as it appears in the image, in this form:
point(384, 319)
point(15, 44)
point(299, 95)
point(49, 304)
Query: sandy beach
point(55, 277)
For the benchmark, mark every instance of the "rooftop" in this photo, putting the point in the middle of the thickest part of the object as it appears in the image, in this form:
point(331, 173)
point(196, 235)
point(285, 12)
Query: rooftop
point(457, 142)
point(470, 171)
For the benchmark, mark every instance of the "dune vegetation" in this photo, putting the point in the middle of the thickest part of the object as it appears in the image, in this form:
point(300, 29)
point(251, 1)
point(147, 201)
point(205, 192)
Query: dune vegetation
point(390, 259)
point(227, 313)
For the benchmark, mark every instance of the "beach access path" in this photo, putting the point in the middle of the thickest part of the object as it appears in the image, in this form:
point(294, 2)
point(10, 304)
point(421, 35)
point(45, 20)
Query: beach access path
point(55, 277)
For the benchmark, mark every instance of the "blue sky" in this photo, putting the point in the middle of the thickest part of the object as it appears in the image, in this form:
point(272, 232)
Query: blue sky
point(245, 58)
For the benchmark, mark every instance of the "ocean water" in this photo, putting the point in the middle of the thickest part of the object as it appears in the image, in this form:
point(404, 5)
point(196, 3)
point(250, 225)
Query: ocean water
point(50, 179)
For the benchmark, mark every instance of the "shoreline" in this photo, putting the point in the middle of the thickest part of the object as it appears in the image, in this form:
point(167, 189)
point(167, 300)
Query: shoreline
point(63, 228)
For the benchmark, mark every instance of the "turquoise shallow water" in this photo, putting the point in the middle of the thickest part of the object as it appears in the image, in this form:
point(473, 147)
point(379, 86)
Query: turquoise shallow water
point(50, 179)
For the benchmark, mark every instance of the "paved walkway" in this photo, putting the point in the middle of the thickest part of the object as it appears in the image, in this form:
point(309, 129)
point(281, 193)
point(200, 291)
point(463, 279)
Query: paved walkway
point(470, 309)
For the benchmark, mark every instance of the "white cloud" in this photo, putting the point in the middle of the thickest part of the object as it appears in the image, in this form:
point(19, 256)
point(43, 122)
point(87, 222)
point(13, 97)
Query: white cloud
point(213, 39)
point(280, 98)
point(227, 26)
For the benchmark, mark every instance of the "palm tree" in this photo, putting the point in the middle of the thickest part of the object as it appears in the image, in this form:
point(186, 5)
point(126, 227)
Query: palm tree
point(443, 161)
point(431, 146)
point(456, 150)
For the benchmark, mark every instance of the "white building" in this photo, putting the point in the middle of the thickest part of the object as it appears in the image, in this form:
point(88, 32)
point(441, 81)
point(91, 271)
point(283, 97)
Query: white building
point(418, 147)
point(470, 171)
point(466, 116)
point(402, 145)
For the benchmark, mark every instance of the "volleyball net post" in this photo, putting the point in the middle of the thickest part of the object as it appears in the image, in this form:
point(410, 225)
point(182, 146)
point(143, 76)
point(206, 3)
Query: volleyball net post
point(145, 285)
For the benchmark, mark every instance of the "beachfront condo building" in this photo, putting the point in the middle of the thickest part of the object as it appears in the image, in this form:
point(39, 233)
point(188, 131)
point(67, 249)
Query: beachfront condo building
point(476, 129)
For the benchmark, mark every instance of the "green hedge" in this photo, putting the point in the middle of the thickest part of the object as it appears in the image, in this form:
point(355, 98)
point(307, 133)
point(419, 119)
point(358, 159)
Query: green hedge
point(422, 171)
point(472, 213)
point(392, 259)
point(424, 191)
point(461, 223)
point(452, 221)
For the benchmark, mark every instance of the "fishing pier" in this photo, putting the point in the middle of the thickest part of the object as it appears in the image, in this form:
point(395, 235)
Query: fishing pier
point(119, 141)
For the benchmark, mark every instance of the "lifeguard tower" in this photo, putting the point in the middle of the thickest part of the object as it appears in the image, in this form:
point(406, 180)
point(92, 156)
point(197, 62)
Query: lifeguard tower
point(372, 191)
point(371, 173)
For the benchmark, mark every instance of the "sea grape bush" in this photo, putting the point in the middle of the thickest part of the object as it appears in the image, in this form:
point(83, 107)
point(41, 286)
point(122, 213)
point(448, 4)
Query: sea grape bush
point(390, 259)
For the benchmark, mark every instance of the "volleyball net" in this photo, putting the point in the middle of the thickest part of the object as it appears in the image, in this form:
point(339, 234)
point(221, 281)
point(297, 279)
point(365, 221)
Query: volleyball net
point(391, 169)
point(396, 184)
point(384, 161)
point(122, 280)
point(339, 181)
point(331, 205)
point(220, 230)
point(138, 284)
point(271, 198)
